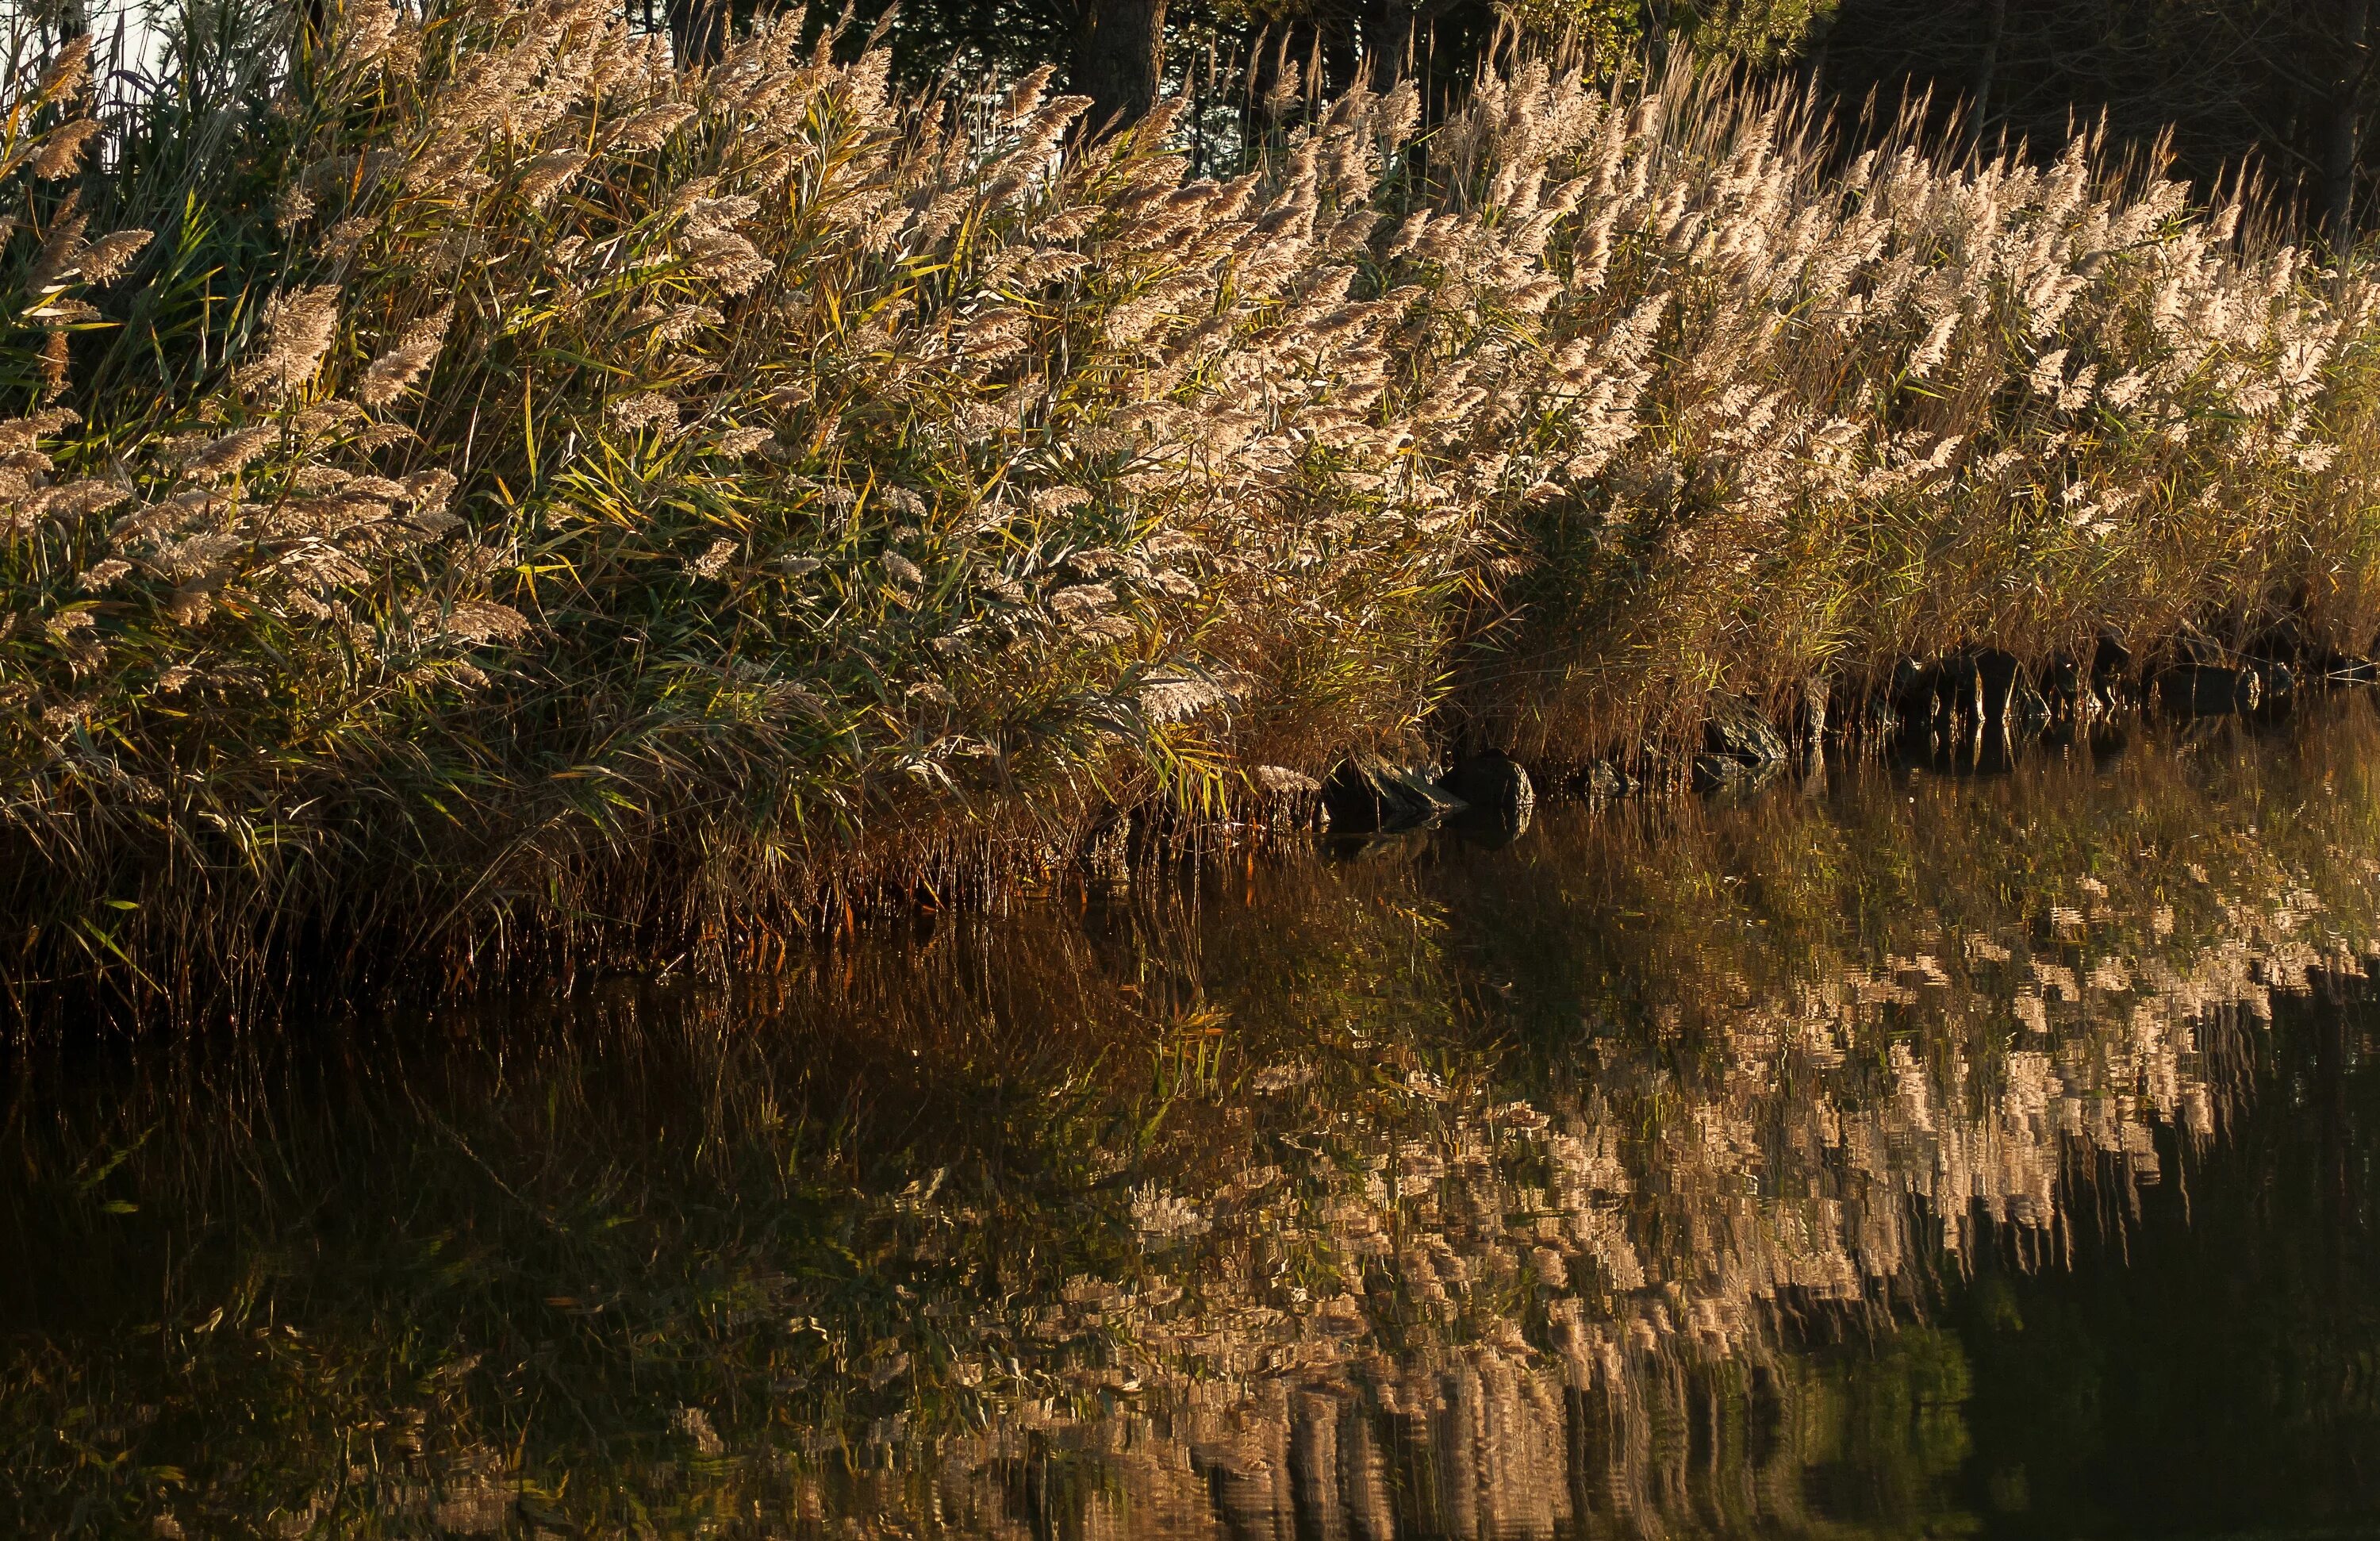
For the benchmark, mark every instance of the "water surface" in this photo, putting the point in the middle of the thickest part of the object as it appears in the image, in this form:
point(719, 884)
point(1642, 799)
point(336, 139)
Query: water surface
point(1913, 1153)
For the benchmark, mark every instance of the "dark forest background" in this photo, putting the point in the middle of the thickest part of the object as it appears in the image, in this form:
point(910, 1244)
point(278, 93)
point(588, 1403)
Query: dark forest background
point(2278, 89)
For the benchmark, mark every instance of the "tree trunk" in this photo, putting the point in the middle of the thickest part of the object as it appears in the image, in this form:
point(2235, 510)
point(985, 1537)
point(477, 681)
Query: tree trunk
point(697, 30)
point(2345, 129)
point(1388, 29)
point(1119, 52)
point(61, 19)
point(1340, 51)
point(1995, 29)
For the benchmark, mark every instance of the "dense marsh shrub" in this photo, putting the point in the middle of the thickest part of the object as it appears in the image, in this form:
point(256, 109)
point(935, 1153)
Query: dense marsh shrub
point(1916, 408)
point(514, 487)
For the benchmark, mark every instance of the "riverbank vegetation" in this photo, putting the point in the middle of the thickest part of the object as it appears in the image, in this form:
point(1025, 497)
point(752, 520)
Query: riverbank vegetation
point(480, 490)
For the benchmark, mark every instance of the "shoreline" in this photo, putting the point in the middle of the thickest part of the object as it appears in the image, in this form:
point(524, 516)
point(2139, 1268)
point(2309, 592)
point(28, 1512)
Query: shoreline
point(1118, 849)
point(728, 500)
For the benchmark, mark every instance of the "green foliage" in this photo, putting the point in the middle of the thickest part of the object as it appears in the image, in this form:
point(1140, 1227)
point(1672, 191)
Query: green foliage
point(1762, 34)
point(1607, 33)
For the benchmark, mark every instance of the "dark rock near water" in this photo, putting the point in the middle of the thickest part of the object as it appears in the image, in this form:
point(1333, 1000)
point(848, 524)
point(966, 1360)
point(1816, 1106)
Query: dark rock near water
point(2069, 689)
point(1106, 853)
point(1909, 695)
point(2109, 678)
point(1817, 692)
point(2029, 711)
point(1988, 690)
point(1599, 782)
point(1369, 794)
point(1722, 772)
point(1487, 828)
point(1739, 745)
point(1735, 731)
point(2012, 703)
point(2209, 691)
point(1998, 678)
point(1494, 784)
point(1934, 696)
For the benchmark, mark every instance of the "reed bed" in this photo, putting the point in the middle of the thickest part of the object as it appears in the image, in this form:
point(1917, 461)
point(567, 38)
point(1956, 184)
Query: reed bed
point(482, 492)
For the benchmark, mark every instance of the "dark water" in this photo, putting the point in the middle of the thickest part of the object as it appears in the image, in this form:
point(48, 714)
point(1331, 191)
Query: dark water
point(1916, 1154)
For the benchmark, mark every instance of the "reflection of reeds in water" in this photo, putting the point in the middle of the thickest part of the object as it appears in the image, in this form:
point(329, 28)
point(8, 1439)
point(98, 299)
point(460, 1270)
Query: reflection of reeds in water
point(1565, 1295)
point(1403, 1196)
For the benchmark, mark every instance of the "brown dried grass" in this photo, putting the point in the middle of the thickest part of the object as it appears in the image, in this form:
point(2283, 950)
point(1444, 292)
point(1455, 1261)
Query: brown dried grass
point(536, 501)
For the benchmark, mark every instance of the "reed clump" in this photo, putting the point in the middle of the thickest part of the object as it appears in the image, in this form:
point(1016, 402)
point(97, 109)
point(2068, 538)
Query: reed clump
point(482, 490)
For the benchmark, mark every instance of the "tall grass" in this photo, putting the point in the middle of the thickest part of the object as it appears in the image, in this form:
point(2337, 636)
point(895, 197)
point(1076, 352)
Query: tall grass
point(482, 488)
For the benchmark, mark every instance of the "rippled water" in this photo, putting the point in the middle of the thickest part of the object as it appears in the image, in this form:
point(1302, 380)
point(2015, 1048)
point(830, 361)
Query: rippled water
point(1911, 1154)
